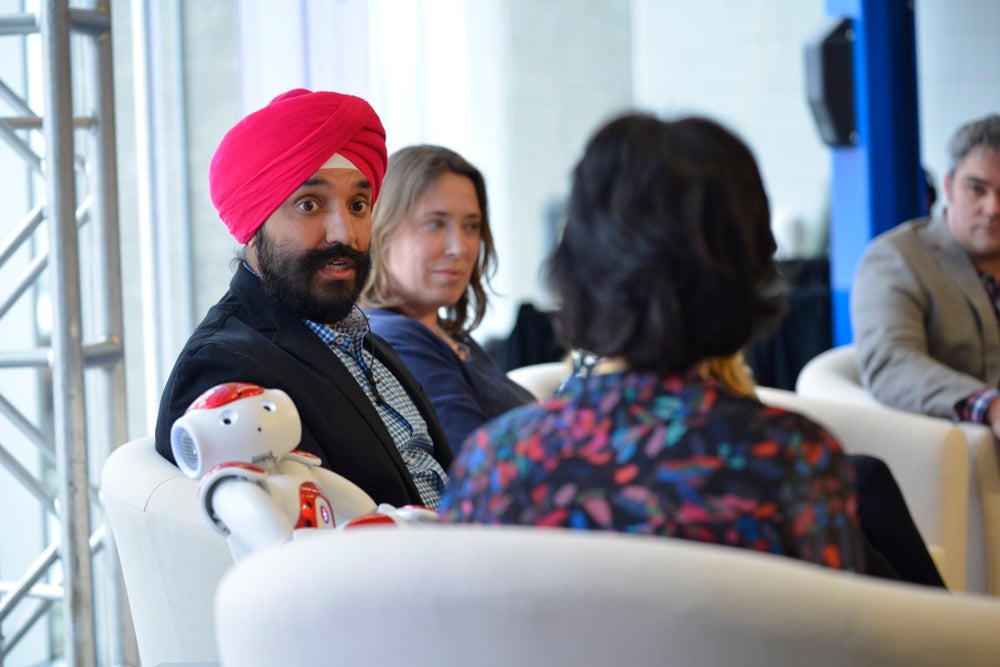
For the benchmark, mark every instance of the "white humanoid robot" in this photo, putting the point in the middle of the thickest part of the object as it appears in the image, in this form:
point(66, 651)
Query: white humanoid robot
point(238, 439)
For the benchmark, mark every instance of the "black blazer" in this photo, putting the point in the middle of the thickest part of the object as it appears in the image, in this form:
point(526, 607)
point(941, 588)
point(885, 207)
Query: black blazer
point(247, 337)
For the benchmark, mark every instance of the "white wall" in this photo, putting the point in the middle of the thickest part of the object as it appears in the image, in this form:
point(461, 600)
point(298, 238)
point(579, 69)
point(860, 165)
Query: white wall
point(741, 62)
point(560, 89)
point(744, 66)
point(957, 71)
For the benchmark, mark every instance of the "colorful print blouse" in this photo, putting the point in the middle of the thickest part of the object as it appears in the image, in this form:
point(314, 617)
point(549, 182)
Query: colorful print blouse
point(639, 453)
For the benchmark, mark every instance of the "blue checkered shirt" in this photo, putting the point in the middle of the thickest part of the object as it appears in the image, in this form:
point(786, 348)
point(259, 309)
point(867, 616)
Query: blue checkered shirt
point(400, 415)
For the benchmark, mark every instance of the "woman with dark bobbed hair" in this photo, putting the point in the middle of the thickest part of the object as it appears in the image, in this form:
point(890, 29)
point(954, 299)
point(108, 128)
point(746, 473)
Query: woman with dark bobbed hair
point(666, 262)
point(669, 259)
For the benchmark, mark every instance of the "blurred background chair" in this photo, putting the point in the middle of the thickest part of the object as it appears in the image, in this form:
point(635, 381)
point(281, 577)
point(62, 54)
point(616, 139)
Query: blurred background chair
point(833, 375)
point(171, 559)
point(476, 595)
point(542, 379)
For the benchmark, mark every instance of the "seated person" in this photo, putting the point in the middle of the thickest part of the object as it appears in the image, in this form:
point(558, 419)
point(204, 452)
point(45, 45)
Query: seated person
point(926, 299)
point(894, 548)
point(295, 182)
point(433, 254)
point(666, 261)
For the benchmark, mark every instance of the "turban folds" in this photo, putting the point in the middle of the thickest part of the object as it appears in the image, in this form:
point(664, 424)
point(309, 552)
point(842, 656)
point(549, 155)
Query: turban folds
point(266, 156)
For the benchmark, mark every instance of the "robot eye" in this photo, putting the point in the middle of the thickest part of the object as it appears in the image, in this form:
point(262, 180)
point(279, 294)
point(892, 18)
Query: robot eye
point(229, 417)
point(268, 406)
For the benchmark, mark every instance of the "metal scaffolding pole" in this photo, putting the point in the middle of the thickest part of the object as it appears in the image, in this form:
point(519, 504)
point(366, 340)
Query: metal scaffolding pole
point(87, 418)
point(67, 343)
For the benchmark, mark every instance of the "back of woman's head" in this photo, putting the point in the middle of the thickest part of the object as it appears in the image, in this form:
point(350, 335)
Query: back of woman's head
point(667, 255)
point(412, 172)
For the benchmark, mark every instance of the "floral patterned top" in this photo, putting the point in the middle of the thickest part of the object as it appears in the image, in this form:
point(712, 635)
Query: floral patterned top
point(676, 456)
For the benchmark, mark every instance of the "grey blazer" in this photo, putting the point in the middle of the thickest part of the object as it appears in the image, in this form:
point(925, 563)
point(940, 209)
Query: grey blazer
point(924, 328)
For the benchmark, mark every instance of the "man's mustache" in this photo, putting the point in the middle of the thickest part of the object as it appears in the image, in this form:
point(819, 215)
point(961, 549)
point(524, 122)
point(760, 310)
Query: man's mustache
point(316, 259)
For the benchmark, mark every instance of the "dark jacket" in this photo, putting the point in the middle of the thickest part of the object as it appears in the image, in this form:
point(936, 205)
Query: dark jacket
point(247, 337)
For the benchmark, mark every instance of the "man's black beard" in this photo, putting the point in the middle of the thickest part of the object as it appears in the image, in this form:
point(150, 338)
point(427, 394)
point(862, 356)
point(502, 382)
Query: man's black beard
point(288, 280)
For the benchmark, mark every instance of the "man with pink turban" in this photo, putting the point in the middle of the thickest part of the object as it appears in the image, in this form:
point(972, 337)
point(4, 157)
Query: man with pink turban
point(295, 183)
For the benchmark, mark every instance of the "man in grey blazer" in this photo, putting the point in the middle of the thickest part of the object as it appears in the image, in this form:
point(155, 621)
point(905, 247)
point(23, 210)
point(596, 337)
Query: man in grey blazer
point(925, 305)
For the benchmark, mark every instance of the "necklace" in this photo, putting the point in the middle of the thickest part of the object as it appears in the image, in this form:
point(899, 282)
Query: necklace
point(457, 346)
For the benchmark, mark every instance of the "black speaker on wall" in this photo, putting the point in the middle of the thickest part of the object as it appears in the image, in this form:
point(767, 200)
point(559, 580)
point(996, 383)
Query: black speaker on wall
point(830, 83)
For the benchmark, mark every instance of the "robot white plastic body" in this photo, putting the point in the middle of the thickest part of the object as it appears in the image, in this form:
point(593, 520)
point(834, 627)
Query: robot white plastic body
point(238, 439)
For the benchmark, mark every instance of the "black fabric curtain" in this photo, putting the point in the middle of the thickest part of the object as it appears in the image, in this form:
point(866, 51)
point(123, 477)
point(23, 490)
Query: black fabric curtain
point(806, 331)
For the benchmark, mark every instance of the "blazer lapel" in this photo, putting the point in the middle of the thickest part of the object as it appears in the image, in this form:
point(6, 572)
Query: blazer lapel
point(957, 264)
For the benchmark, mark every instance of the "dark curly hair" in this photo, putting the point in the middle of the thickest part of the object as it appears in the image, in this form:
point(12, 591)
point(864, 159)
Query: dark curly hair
point(667, 255)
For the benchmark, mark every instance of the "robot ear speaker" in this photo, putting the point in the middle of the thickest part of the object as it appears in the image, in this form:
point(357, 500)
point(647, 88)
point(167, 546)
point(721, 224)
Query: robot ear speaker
point(186, 451)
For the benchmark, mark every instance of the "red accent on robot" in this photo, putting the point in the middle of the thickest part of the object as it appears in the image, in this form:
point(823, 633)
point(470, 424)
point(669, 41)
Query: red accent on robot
point(315, 510)
point(222, 394)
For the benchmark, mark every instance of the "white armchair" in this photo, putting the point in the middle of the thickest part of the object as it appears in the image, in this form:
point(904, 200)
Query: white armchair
point(927, 457)
point(541, 380)
point(833, 375)
point(171, 559)
point(473, 595)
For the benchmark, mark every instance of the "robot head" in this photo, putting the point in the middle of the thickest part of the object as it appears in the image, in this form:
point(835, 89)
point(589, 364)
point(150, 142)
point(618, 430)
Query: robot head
point(235, 421)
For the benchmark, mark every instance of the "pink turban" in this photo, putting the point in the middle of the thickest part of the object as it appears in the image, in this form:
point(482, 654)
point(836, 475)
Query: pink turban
point(266, 156)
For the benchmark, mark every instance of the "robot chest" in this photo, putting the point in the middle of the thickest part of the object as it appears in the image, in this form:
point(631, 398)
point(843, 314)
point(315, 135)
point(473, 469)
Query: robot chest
point(314, 508)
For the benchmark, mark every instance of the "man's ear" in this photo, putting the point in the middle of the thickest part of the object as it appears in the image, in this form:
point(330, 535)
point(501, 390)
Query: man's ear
point(250, 253)
point(948, 184)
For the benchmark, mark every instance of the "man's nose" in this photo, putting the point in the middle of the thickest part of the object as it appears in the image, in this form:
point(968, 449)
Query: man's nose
point(340, 227)
point(992, 204)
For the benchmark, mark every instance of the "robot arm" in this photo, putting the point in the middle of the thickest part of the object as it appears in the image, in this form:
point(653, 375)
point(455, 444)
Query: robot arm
point(236, 499)
point(390, 515)
point(250, 517)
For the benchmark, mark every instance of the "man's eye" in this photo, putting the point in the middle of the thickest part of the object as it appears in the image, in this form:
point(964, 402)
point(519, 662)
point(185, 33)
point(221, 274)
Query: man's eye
point(359, 206)
point(307, 206)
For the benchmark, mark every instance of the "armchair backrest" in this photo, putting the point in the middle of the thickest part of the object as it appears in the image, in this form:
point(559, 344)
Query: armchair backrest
point(541, 380)
point(833, 375)
point(475, 595)
point(927, 456)
point(171, 559)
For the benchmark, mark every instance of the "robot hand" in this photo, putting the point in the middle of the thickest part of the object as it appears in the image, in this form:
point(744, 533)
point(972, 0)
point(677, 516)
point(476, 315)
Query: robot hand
point(388, 515)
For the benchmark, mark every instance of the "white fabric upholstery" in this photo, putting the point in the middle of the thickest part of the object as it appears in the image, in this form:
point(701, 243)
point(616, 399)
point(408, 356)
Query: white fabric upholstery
point(542, 380)
point(470, 595)
point(833, 375)
point(171, 559)
point(927, 457)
